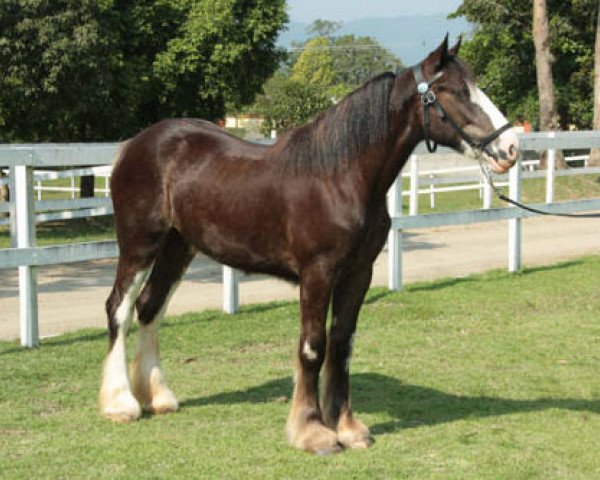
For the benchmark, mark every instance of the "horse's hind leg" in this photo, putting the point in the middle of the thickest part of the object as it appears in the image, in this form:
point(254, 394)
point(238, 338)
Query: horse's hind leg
point(148, 383)
point(116, 400)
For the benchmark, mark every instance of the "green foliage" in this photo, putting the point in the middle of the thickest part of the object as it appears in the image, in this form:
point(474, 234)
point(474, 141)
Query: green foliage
point(102, 69)
point(323, 28)
point(357, 59)
point(342, 63)
point(502, 54)
point(326, 69)
point(224, 52)
point(315, 64)
point(287, 103)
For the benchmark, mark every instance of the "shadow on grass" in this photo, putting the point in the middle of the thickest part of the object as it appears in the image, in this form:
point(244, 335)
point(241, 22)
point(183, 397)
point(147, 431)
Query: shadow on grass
point(410, 406)
point(557, 266)
point(477, 277)
point(84, 336)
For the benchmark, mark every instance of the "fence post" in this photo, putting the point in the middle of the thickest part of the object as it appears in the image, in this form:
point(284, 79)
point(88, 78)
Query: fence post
point(550, 172)
point(414, 186)
point(514, 224)
point(13, 209)
point(487, 195)
point(231, 295)
point(395, 236)
point(25, 226)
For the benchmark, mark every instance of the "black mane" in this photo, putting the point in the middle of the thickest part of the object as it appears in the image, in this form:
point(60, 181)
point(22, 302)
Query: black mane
point(335, 138)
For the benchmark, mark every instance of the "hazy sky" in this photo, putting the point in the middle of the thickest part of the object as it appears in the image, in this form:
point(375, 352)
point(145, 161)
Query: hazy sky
point(309, 10)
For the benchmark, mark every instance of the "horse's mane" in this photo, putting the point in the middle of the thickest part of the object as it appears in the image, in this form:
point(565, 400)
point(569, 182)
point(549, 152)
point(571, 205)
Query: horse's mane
point(335, 138)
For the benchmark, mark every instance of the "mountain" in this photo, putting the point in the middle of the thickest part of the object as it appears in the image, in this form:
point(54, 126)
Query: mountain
point(410, 38)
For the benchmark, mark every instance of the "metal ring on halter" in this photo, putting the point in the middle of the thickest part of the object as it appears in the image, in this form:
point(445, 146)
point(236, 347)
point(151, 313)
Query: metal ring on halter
point(428, 98)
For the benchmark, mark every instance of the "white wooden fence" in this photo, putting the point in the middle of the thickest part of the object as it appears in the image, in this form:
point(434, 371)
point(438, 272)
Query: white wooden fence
point(431, 182)
point(23, 159)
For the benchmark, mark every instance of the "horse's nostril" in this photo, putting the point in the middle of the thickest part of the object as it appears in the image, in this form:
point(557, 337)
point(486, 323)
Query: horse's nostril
point(513, 153)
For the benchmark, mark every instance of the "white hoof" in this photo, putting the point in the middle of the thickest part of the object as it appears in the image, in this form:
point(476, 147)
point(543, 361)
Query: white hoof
point(120, 406)
point(163, 402)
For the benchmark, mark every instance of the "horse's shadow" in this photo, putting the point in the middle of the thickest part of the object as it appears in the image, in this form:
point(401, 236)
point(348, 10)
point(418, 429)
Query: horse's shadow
point(410, 406)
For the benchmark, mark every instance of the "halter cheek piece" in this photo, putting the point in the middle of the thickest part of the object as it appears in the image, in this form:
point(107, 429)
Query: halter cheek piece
point(428, 100)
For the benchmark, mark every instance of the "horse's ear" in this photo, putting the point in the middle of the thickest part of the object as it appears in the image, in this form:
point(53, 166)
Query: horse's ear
point(441, 55)
point(456, 48)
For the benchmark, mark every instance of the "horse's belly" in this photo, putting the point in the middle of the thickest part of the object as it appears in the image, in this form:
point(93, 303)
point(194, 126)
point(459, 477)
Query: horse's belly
point(253, 247)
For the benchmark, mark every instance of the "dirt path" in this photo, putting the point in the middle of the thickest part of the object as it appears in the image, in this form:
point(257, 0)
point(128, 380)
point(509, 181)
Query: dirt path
point(72, 296)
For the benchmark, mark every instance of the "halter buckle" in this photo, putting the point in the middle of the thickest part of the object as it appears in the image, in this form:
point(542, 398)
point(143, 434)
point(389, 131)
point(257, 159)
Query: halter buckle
point(428, 98)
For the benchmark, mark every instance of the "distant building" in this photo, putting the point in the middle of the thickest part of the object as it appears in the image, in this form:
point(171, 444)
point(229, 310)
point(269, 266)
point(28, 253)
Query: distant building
point(251, 123)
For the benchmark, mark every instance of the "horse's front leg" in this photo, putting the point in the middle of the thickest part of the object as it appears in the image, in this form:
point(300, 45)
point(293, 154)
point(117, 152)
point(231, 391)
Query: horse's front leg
point(305, 427)
point(348, 296)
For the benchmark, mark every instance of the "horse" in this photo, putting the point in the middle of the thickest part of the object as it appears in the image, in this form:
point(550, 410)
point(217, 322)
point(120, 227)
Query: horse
point(310, 209)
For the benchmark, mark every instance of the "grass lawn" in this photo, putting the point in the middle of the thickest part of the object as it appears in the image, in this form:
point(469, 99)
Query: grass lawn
point(492, 376)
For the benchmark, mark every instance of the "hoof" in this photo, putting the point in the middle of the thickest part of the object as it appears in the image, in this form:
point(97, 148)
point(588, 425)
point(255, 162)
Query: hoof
point(162, 402)
point(350, 440)
point(354, 434)
point(123, 407)
point(315, 438)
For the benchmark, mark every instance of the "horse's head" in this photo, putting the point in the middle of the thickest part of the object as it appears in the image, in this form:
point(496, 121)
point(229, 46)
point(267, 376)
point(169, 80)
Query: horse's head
point(457, 114)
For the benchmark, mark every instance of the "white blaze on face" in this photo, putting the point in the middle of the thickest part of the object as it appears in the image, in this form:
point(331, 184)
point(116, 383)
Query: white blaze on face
point(508, 138)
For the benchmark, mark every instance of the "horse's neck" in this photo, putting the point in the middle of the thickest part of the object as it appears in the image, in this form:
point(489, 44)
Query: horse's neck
point(382, 168)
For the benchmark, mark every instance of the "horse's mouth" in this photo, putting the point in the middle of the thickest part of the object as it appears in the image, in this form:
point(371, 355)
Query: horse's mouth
point(501, 161)
point(498, 165)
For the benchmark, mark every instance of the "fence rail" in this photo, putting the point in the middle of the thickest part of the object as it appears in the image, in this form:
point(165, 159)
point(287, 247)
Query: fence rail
point(23, 159)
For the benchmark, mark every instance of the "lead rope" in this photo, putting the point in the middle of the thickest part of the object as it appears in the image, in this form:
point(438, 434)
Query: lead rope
point(485, 170)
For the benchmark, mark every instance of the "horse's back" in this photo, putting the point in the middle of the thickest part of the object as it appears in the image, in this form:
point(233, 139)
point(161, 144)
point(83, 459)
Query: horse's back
point(149, 159)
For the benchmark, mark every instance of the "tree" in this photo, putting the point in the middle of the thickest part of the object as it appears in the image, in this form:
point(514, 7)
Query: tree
point(341, 64)
point(549, 119)
point(315, 64)
point(326, 69)
point(323, 28)
point(287, 103)
point(225, 51)
point(357, 59)
point(502, 54)
point(543, 63)
point(595, 153)
point(103, 69)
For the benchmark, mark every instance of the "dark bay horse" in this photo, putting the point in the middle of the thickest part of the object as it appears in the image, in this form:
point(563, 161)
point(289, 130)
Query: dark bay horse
point(310, 209)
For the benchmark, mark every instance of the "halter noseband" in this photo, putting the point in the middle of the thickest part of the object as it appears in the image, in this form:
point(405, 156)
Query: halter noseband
point(429, 99)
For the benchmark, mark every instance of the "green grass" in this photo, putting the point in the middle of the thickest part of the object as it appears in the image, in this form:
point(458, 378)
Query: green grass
point(492, 376)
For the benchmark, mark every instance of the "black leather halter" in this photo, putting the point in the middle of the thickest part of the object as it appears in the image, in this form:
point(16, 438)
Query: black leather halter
point(429, 99)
